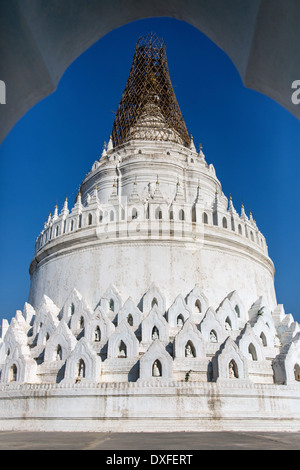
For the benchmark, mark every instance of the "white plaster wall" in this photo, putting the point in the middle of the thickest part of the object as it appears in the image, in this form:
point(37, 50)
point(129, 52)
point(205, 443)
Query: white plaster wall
point(153, 407)
point(175, 267)
point(133, 254)
point(144, 162)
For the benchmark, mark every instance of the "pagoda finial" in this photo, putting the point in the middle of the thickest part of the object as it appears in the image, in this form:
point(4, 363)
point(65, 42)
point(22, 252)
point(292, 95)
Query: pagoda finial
point(65, 209)
point(134, 197)
point(179, 196)
point(95, 193)
point(55, 215)
point(192, 145)
point(78, 197)
point(201, 154)
point(114, 194)
point(243, 213)
point(110, 144)
point(251, 216)
point(198, 193)
point(231, 207)
point(104, 150)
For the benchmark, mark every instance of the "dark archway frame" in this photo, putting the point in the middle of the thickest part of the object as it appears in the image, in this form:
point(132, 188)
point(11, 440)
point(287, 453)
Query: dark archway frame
point(39, 40)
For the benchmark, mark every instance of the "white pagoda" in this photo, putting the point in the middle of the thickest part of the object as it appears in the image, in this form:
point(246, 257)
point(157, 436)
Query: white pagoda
point(152, 303)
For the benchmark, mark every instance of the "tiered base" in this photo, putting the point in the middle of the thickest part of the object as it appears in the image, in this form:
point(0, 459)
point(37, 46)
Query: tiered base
point(154, 405)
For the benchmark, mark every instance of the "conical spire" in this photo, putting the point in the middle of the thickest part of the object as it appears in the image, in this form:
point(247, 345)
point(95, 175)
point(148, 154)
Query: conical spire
point(114, 195)
point(134, 197)
point(216, 202)
point(231, 207)
point(192, 145)
point(65, 210)
point(55, 215)
point(179, 196)
point(110, 144)
point(243, 213)
point(148, 109)
point(198, 196)
point(157, 196)
point(78, 204)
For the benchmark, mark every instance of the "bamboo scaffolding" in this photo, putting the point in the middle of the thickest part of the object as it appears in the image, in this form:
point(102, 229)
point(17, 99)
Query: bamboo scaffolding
point(148, 109)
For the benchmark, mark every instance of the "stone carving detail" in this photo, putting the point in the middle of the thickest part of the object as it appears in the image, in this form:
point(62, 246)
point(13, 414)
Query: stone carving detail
point(156, 362)
point(229, 362)
point(189, 342)
point(83, 364)
point(152, 298)
point(99, 327)
point(211, 328)
point(155, 326)
point(123, 342)
point(287, 364)
point(60, 345)
point(197, 302)
point(178, 313)
point(118, 342)
point(131, 313)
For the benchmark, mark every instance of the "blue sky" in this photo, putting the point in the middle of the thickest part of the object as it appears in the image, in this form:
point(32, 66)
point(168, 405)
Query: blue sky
point(252, 141)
